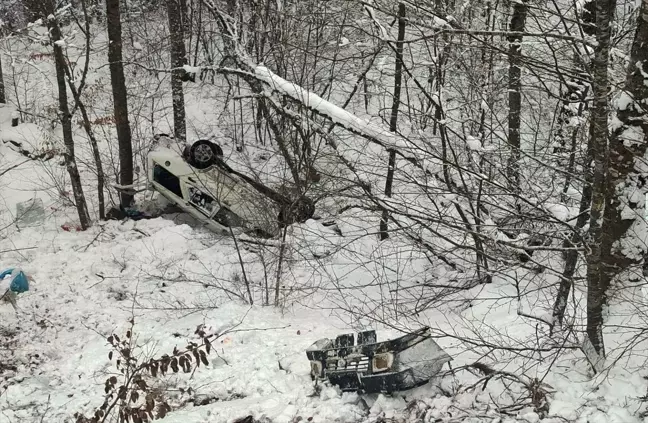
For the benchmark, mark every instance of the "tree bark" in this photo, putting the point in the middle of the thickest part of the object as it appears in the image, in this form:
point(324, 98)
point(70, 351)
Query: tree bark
point(571, 257)
point(66, 123)
point(3, 98)
point(599, 245)
point(576, 91)
point(178, 59)
point(184, 16)
point(120, 103)
point(87, 126)
point(628, 140)
point(518, 20)
point(398, 77)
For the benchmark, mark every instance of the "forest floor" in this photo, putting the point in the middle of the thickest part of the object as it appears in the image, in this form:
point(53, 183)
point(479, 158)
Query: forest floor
point(167, 277)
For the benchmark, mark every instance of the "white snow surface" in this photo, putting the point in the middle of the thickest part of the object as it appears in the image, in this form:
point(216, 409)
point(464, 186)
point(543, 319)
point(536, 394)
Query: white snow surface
point(87, 285)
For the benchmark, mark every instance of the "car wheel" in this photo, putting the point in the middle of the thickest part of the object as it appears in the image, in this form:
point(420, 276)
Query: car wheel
point(204, 154)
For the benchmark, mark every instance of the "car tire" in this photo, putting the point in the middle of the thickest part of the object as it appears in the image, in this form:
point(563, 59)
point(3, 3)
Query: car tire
point(204, 154)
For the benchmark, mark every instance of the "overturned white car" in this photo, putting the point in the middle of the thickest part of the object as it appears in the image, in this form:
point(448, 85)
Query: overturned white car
point(202, 184)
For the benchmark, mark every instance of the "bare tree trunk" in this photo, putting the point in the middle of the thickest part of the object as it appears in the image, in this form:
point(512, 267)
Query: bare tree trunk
point(87, 126)
point(627, 178)
point(518, 20)
point(576, 92)
point(282, 250)
point(571, 257)
point(598, 276)
point(118, 82)
point(66, 123)
point(184, 15)
point(398, 77)
point(3, 98)
point(101, 177)
point(245, 278)
point(178, 59)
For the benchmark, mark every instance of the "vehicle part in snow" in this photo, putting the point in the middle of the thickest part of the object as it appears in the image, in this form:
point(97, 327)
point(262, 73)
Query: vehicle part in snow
point(372, 367)
point(334, 226)
point(292, 210)
point(30, 212)
point(204, 154)
point(219, 196)
point(162, 140)
point(167, 179)
point(228, 218)
point(122, 213)
point(298, 211)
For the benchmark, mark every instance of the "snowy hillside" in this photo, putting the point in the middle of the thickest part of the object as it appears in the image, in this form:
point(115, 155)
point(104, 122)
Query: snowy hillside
point(166, 278)
point(477, 169)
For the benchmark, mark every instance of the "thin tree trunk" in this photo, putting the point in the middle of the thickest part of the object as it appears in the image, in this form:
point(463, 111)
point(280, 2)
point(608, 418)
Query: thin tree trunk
point(598, 277)
point(184, 15)
point(245, 278)
point(3, 98)
point(118, 82)
point(282, 250)
point(101, 177)
point(398, 77)
point(178, 59)
point(571, 257)
point(518, 20)
point(87, 126)
point(66, 123)
point(574, 132)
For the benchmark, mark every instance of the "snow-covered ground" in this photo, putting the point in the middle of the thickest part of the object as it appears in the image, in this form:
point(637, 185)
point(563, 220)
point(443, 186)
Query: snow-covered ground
point(166, 277)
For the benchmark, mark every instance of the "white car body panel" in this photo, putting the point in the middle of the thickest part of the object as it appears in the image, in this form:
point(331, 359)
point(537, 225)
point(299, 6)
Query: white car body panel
point(205, 192)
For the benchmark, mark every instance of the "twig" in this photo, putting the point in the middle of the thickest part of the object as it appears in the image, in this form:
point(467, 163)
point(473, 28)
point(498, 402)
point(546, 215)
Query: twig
point(18, 249)
point(46, 409)
point(93, 240)
point(13, 167)
point(245, 279)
